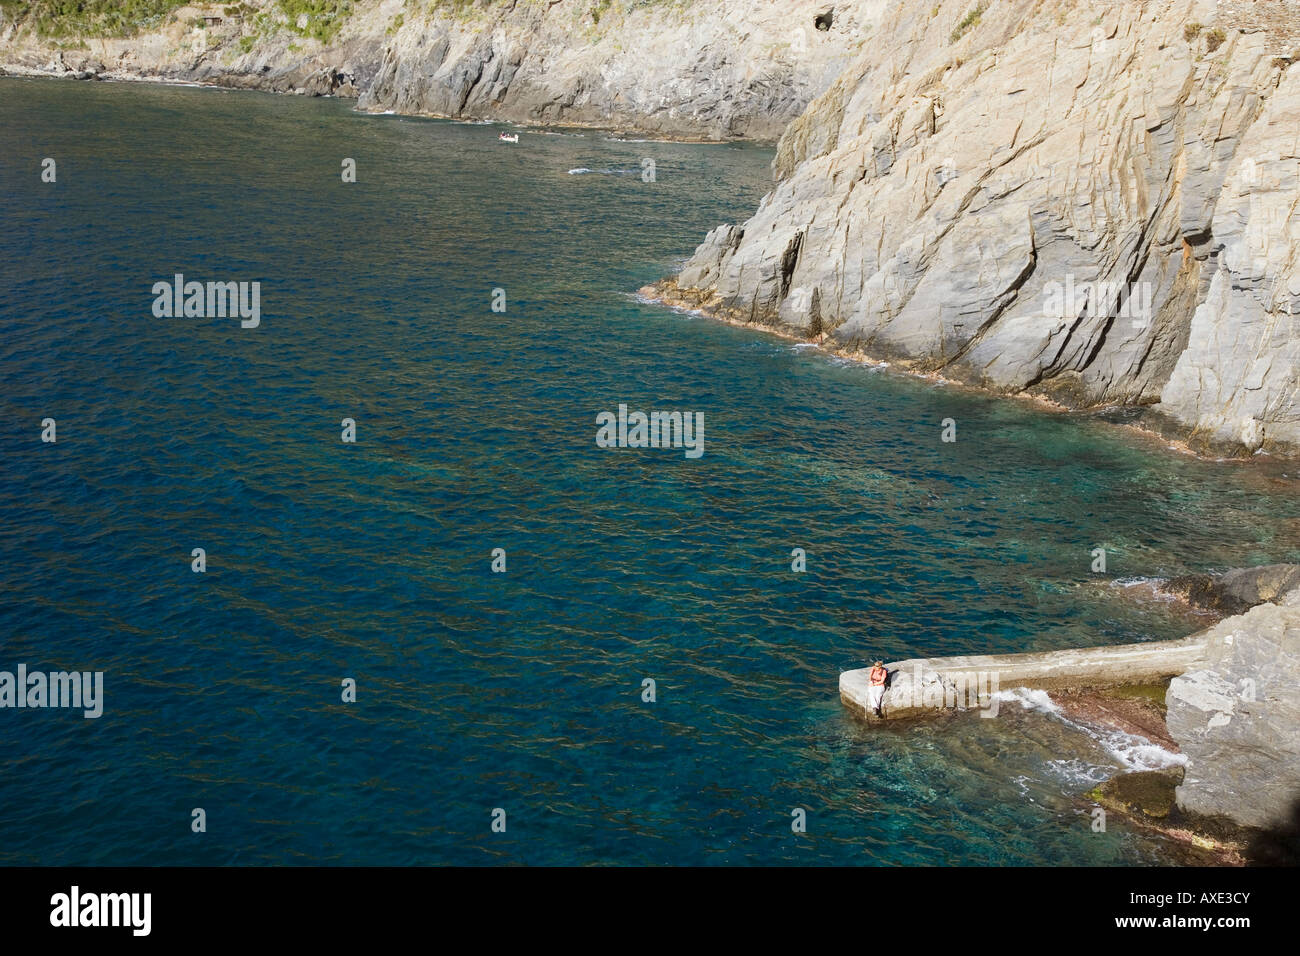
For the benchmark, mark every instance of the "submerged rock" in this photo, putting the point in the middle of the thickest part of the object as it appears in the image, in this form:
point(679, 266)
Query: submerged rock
point(1232, 709)
point(1240, 590)
point(1148, 794)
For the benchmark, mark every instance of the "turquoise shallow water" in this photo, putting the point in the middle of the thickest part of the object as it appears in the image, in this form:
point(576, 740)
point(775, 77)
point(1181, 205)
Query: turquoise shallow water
point(476, 431)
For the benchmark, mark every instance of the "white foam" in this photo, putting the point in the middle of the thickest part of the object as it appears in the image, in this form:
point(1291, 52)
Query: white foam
point(1137, 581)
point(1137, 753)
point(1038, 700)
point(603, 172)
point(1128, 750)
point(1155, 591)
point(679, 309)
point(1022, 782)
point(1078, 772)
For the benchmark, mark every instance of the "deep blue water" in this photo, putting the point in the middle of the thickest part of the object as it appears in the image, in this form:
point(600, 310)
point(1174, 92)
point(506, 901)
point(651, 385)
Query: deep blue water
point(476, 431)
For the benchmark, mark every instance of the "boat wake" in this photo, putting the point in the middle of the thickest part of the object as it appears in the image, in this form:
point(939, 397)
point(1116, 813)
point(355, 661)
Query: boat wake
point(583, 170)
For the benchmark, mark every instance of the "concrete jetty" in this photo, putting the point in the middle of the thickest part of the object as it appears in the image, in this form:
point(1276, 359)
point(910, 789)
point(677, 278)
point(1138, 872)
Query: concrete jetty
point(929, 685)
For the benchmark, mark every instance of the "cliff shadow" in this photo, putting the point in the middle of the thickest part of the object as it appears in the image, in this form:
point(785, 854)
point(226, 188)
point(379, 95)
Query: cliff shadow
point(1278, 845)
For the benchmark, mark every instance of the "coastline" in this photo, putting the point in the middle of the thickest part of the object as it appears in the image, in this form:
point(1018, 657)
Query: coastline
point(666, 293)
point(992, 557)
point(11, 71)
point(1146, 798)
point(1208, 760)
point(727, 342)
point(554, 65)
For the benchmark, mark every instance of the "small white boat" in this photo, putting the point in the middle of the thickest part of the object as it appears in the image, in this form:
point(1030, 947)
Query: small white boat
point(509, 138)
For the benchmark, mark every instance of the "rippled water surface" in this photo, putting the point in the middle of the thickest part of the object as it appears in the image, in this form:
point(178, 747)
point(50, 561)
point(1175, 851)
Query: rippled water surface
point(522, 690)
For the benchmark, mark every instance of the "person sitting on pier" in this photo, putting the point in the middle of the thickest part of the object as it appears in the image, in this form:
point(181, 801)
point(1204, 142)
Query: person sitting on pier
point(878, 677)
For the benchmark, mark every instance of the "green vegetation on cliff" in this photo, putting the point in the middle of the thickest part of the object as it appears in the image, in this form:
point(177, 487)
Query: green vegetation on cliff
point(971, 19)
point(71, 18)
point(318, 19)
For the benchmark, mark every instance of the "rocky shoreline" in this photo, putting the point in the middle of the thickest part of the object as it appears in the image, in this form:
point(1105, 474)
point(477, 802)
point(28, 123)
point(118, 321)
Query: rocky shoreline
point(1231, 717)
point(1168, 436)
point(1035, 199)
point(1236, 721)
point(703, 72)
point(1149, 798)
point(1075, 208)
point(1098, 210)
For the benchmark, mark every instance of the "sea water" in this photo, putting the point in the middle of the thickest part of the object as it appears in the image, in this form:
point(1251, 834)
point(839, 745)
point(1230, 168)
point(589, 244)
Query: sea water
point(644, 677)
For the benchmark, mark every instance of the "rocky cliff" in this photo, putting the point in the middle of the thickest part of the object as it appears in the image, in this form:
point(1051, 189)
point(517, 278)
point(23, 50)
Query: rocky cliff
point(1093, 201)
point(1098, 202)
point(708, 69)
point(1237, 719)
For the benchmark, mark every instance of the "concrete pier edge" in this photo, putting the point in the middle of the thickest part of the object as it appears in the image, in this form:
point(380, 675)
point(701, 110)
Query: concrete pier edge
point(921, 686)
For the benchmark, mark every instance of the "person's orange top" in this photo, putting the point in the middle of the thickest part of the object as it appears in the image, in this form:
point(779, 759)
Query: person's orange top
point(878, 675)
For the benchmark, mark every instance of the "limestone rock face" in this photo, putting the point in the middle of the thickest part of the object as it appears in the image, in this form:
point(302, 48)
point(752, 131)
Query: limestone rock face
point(1066, 198)
point(709, 69)
point(1236, 719)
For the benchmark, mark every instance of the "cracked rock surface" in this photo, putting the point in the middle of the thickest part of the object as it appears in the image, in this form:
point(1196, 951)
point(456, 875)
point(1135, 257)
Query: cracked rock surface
point(1236, 719)
point(708, 69)
point(1095, 203)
